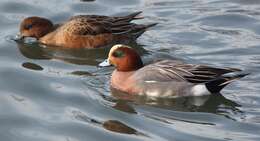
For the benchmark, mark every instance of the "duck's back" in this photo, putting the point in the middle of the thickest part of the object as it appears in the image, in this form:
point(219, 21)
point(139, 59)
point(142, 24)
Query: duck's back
point(169, 78)
point(91, 31)
point(161, 79)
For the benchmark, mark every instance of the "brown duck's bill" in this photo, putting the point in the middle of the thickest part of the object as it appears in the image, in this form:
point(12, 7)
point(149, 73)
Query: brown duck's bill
point(18, 37)
point(105, 63)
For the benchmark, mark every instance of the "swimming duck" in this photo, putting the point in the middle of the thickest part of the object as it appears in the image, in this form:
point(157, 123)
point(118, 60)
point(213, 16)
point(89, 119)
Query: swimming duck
point(165, 78)
point(83, 31)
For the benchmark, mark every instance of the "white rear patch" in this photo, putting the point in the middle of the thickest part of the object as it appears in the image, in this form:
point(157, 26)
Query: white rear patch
point(199, 90)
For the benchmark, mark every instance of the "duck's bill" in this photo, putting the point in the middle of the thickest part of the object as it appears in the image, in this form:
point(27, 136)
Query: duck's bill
point(105, 63)
point(24, 39)
point(18, 37)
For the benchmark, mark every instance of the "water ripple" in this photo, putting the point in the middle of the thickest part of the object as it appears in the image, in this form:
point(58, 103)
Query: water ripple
point(57, 94)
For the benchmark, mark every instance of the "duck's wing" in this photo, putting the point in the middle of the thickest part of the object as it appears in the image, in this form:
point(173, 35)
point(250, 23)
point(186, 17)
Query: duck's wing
point(169, 70)
point(128, 18)
point(95, 24)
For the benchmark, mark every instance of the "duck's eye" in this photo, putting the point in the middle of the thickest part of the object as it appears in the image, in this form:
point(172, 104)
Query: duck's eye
point(118, 54)
point(28, 26)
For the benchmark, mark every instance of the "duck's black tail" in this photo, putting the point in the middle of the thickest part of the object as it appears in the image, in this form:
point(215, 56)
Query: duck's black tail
point(216, 85)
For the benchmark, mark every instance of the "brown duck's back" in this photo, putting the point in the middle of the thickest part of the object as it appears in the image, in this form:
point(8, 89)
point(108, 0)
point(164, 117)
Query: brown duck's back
point(93, 31)
point(67, 40)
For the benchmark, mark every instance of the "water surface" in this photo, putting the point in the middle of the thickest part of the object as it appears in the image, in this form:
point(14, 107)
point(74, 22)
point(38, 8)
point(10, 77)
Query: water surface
point(49, 94)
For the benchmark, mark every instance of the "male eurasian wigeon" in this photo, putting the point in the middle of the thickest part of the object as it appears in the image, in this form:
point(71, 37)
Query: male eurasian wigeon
point(84, 31)
point(166, 78)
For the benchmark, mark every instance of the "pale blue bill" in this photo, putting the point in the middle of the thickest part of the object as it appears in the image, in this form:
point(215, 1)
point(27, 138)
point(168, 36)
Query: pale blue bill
point(105, 63)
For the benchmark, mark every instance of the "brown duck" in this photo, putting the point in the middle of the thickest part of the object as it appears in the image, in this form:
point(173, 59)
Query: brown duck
point(84, 31)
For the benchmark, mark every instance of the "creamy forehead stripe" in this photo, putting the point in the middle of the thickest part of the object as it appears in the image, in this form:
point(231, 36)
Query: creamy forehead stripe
point(115, 47)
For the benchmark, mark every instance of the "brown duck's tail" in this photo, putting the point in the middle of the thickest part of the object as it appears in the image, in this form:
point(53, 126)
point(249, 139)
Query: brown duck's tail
point(128, 18)
point(138, 30)
point(149, 25)
point(216, 85)
point(133, 16)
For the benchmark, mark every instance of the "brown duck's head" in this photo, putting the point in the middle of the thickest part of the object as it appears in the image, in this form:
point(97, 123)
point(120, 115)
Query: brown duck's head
point(124, 58)
point(35, 27)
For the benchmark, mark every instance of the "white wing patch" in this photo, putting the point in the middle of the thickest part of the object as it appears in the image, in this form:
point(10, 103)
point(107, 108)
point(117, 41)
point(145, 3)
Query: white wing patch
point(153, 93)
point(199, 90)
point(151, 81)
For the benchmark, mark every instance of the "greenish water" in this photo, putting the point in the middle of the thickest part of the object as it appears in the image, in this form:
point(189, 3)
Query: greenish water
point(49, 94)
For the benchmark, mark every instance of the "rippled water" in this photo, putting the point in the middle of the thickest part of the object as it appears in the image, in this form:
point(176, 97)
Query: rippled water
point(49, 94)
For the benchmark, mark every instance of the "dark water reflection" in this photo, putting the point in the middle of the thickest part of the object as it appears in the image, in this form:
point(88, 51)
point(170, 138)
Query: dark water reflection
point(211, 104)
point(59, 94)
point(74, 56)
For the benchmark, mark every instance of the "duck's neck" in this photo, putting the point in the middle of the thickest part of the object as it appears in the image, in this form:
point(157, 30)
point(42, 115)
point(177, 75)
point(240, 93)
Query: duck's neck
point(50, 38)
point(122, 80)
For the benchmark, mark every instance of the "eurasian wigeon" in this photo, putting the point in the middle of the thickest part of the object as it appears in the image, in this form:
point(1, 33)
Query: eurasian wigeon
point(165, 78)
point(84, 31)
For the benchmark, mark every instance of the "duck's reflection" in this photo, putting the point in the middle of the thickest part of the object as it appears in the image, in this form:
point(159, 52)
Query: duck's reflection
point(124, 106)
point(209, 103)
point(33, 51)
point(87, 0)
point(74, 56)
